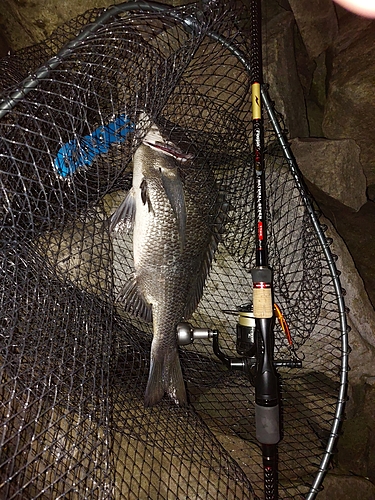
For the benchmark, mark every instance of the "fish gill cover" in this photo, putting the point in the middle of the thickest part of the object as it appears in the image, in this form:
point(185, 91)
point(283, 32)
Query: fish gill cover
point(75, 359)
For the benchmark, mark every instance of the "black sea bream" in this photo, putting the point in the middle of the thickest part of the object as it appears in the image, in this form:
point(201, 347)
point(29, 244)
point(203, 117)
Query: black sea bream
point(171, 208)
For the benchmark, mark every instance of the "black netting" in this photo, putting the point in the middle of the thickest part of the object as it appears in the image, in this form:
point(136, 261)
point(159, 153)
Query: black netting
point(74, 365)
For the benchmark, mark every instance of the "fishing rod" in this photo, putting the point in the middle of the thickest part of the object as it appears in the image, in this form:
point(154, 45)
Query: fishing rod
point(267, 406)
point(255, 334)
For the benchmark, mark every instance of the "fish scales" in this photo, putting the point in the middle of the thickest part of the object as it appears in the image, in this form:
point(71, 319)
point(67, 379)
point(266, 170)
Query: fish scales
point(174, 239)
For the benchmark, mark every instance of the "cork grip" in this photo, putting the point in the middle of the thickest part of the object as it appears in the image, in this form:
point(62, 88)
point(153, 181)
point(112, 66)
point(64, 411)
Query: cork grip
point(262, 302)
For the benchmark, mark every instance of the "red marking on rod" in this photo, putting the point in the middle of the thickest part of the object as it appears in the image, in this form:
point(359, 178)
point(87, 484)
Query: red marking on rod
point(261, 284)
point(260, 230)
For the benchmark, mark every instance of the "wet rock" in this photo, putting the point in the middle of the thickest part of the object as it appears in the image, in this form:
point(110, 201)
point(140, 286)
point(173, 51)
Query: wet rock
point(350, 107)
point(281, 74)
point(82, 253)
point(334, 167)
point(356, 445)
point(349, 487)
point(369, 412)
point(371, 192)
point(317, 96)
point(317, 23)
point(355, 448)
point(318, 89)
point(4, 47)
point(29, 22)
point(361, 315)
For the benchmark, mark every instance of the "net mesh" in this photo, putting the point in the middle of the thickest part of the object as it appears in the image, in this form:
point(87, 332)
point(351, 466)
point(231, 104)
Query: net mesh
point(74, 365)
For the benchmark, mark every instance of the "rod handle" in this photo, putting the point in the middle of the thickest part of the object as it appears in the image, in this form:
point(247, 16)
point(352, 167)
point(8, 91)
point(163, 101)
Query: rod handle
point(267, 424)
point(262, 292)
point(262, 302)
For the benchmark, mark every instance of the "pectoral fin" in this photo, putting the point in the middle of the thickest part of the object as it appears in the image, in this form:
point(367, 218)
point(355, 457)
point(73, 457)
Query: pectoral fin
point(123, 217)
point(175, 193)
point(145, 195)
point(134, 302)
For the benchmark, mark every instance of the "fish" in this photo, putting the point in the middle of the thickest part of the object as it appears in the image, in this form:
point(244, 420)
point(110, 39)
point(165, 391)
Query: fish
point(172, 208)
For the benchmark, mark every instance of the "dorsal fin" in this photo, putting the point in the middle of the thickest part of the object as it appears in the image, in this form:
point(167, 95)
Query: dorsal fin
point(175, 193)
point(217, 232)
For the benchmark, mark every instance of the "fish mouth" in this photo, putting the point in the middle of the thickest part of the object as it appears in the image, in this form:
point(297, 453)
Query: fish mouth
point(169, 149)
point(154, 139)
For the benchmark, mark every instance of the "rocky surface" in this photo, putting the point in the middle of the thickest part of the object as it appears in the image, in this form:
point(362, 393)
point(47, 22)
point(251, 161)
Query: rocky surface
point(357, 444)
point(28, 22)
point(360, 316)
point(333, 166)
point(317, 23)
point(279, 41)
point(350, 106)
point(347, 486)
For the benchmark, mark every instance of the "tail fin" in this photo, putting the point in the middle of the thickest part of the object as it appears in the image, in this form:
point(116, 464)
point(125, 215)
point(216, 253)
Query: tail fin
point(165, 377)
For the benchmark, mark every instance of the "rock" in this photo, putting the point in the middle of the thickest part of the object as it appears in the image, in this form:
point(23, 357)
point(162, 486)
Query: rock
point(347, 487)
point(369, 411)
point(355, 448)
point(361, 315)
point(317, 96)
point(82, 253)
point(350, 106)
point(352, 447)
point(315, 118)
point(334, 167)
point(29, 22)
point(357, 441)
point(4, 47)
point(305, 65)
point(273, 9)
point(351, 28)
point(318, 89)
point(281, 74)
point(371, 192)
point(317, 24)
